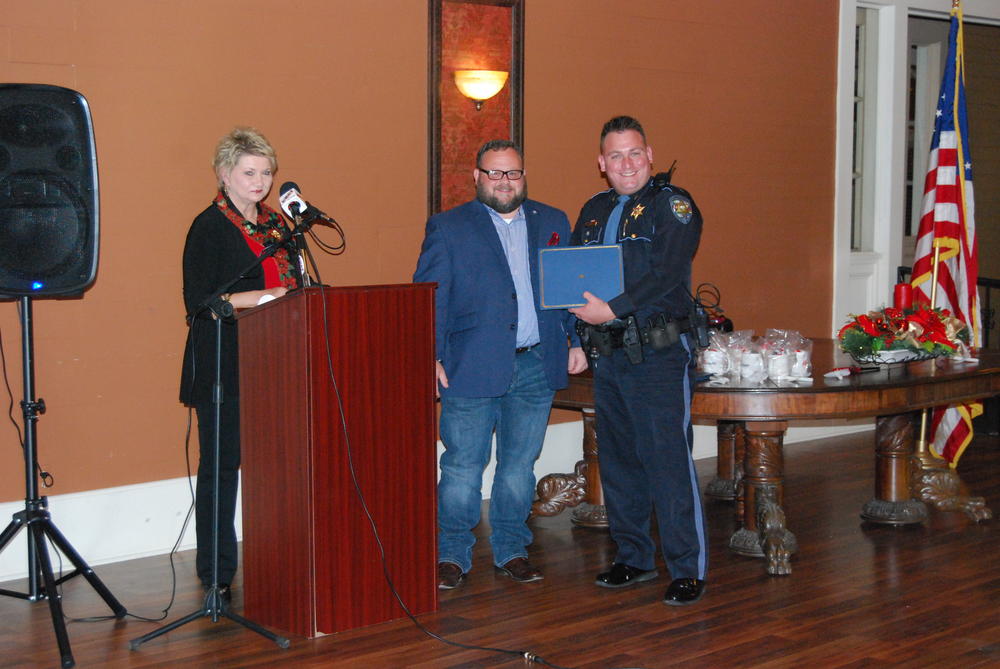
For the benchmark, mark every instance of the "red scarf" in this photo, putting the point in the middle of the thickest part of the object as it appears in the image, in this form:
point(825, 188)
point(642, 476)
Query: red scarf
point(268, 227)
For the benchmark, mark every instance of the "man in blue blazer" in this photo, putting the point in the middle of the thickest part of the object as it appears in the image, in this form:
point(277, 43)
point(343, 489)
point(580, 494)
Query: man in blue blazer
point(500, 358)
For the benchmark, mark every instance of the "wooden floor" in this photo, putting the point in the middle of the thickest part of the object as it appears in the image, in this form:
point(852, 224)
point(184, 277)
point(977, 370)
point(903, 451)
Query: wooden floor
point(859, 596)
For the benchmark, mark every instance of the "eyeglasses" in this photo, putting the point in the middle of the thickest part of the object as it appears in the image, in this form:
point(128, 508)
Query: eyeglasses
point(497, 175)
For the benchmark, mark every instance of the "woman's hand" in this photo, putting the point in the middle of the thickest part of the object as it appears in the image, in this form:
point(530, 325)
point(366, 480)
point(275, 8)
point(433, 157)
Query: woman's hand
point(251, 298)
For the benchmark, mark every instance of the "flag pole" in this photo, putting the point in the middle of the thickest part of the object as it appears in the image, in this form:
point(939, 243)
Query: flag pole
point(929, 461)
point(933, 479)
point(935, 483)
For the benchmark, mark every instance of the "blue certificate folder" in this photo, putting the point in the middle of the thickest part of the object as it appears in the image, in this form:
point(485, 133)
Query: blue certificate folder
point(567, 271)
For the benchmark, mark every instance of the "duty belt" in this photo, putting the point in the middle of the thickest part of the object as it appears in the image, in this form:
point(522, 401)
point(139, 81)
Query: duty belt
point(660, 332)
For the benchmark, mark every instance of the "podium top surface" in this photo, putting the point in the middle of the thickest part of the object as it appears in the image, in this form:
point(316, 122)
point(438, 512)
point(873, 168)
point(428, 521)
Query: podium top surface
point(339, 290)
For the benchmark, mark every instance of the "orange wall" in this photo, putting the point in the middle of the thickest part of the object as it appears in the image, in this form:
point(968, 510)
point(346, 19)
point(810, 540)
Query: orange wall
point(741, 93)
point(340, 90)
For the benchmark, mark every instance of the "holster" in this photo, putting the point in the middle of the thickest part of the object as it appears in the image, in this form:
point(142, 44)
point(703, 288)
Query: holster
point(632, 341)
point(598, 340)
point(661, 333)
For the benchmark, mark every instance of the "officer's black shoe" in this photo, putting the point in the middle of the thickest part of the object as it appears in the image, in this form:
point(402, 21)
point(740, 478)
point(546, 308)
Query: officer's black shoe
point(684, 591)
point(622, 576)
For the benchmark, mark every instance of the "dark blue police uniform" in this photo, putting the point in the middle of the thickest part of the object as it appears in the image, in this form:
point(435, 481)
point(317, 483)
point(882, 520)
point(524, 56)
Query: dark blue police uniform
point(643, 406)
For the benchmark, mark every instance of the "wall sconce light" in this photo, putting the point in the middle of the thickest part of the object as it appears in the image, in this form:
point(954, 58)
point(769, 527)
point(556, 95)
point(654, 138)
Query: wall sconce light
point(480, 85)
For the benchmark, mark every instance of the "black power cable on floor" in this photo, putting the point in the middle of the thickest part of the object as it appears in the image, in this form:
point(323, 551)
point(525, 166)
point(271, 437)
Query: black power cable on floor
point(527, 655)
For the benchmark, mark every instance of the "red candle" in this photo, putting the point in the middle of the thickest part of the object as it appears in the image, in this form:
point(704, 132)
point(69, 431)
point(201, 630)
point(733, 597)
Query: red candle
point(903, 296)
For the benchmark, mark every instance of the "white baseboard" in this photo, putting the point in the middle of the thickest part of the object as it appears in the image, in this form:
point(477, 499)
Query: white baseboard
point(127, 522)
point(110, 524)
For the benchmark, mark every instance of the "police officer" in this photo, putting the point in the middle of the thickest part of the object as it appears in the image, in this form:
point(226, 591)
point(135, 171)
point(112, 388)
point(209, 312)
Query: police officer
point(641, 349)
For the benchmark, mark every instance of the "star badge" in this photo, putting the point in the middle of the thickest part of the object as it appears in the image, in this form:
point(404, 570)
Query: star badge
point(637, 210)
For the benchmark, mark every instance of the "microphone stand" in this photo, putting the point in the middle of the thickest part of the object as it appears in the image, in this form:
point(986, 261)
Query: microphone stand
point(214, 605)
point(303, 222)
point(302, 246)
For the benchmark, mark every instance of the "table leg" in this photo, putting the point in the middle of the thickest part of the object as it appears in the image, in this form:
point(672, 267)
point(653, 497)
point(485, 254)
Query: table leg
point(761, 492)
point(581, 488)
point(945, 491)
point(893, 503)
point(729, 467)
point(592, 512)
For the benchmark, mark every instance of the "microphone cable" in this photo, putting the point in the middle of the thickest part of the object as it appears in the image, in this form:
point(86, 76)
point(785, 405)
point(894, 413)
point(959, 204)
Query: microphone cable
point(47, 480)
point(331, 249)
point(527, 655)
point(165, 611)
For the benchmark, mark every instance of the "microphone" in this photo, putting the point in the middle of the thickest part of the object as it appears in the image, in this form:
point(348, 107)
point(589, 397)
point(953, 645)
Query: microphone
point(293, 204)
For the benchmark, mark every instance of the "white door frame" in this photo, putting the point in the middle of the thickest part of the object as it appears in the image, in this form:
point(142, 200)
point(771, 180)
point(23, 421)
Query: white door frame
point(864, 280)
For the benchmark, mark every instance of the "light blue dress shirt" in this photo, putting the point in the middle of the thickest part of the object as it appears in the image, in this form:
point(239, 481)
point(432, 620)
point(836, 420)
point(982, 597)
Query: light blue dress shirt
point(514, 239)
point(614, 220)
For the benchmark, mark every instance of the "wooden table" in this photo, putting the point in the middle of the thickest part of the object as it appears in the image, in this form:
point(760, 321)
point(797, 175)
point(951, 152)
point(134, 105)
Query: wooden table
point(752, 420)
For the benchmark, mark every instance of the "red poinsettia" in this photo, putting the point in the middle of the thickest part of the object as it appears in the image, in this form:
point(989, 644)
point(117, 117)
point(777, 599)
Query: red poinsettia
point(934, 326)
point(923, 330)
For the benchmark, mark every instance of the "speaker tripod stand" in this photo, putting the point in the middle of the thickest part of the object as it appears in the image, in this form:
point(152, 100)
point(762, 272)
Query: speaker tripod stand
point(42, 583)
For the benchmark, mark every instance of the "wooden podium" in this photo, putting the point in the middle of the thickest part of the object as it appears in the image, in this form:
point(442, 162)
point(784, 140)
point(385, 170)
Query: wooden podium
point(311, 565)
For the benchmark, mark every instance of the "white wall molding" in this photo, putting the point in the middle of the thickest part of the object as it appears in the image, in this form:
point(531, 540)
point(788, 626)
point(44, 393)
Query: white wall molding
point(109, 525)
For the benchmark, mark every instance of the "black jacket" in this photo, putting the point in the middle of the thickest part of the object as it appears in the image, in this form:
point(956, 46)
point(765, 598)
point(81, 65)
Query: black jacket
point(214, 254)
point(659, 234)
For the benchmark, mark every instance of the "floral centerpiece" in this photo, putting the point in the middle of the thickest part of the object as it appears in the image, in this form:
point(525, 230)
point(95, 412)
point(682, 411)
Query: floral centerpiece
point(898, 335)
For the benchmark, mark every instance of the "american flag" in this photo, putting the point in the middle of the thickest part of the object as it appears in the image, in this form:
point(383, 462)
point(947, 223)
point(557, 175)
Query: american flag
point(947, 224)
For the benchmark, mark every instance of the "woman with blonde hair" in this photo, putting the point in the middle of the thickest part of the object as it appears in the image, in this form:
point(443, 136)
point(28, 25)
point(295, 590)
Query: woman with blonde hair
point(223, 241)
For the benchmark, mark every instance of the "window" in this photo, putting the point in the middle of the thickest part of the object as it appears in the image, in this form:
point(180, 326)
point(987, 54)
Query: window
point(863, 163)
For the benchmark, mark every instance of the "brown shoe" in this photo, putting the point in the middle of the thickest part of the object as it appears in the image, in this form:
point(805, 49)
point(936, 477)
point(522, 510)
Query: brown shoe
point(450, 576)
point(521, 570)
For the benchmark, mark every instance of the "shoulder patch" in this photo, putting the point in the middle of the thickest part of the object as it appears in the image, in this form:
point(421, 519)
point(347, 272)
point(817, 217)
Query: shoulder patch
point(681, 206)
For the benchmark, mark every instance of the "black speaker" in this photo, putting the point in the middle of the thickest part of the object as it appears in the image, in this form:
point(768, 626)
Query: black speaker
point(48, 192)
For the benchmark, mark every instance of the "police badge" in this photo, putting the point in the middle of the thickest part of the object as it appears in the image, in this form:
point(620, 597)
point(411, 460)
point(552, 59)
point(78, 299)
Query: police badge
point(681, 206)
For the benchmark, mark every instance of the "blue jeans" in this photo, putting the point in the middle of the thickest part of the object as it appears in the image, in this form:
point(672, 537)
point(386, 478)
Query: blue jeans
point(520, 417)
